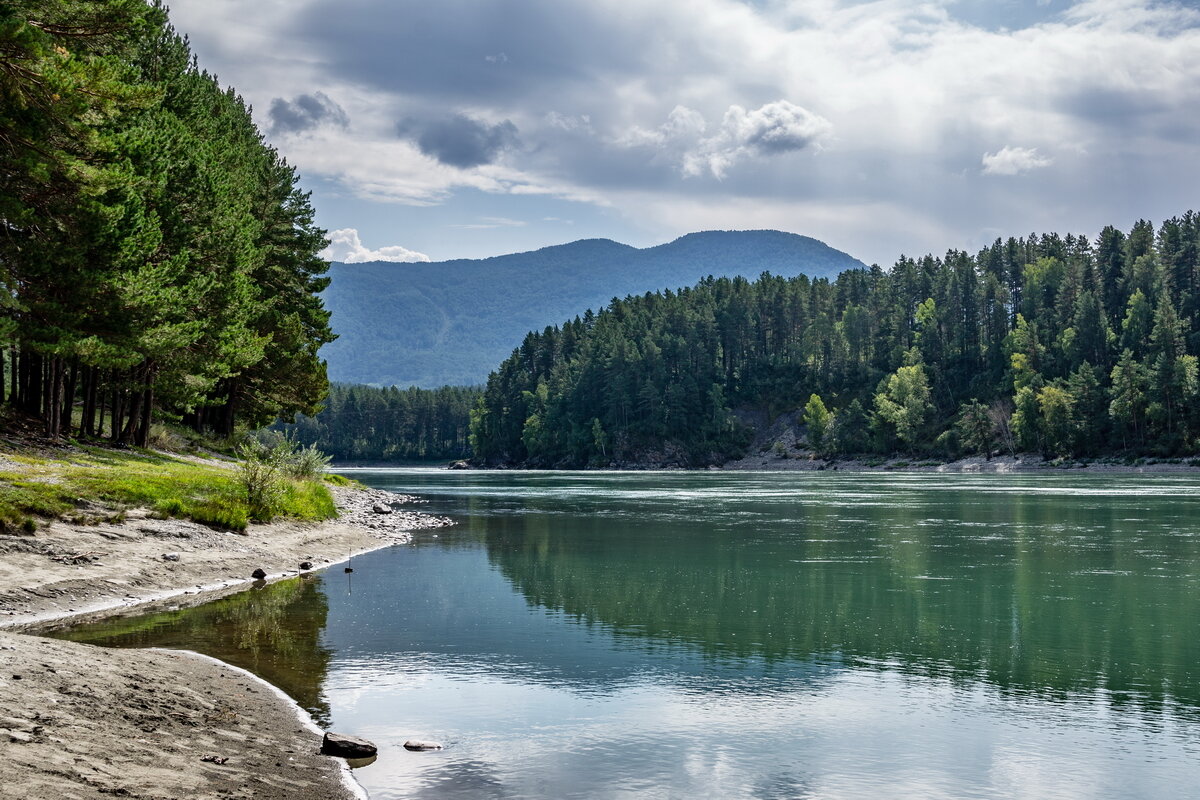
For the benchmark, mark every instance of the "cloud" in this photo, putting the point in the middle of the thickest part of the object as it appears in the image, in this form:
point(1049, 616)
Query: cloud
point(604, 100)
point(345, 246)
point(1014, 160)
point(488, 223)
point(459, 140)
point(305, 112)
point(771, 130)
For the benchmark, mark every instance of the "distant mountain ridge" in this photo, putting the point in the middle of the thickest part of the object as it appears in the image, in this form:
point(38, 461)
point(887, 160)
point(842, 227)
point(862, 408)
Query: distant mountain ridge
point(451, 322)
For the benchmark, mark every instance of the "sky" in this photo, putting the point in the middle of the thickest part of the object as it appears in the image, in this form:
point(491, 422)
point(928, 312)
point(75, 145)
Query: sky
point(471, 128)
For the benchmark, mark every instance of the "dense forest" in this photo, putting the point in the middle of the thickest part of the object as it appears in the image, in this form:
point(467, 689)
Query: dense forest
point(452, 322)
point(365, 423)
point(157, 259)
point(1050, 344)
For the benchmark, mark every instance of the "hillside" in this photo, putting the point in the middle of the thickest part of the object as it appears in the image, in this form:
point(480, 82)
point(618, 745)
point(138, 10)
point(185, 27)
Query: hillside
point(452, 322)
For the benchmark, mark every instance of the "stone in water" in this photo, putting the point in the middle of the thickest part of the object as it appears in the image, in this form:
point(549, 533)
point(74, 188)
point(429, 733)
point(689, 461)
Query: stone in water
point(416, 744)
point(339, 744)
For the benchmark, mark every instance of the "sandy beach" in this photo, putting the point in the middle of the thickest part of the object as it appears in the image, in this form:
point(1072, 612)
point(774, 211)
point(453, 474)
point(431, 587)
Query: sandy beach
point(80, 721)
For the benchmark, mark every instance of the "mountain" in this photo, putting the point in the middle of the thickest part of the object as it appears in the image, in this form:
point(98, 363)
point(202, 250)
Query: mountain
point(452, 322)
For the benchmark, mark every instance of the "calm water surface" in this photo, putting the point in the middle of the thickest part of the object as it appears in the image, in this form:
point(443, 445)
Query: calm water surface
point(757, 635)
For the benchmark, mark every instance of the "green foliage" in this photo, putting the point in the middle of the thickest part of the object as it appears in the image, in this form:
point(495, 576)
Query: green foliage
point(819, 420)
point(262, 485)
point(1012, 348)
point(975, 428)
point(81, 487)
point(906, 404)
point(365, 423)
point(1015, 347)
point(852, 429)
point(158, 257)
point(1056, 407)
point(450, 323)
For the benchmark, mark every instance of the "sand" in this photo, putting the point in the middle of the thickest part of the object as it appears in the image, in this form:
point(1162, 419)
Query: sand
point(78, 721)
point(68, 573)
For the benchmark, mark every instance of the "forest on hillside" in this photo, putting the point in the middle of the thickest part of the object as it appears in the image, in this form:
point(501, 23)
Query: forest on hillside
point(158, 260)
point(1051, 344)
point(367, 423)
point(451, 322)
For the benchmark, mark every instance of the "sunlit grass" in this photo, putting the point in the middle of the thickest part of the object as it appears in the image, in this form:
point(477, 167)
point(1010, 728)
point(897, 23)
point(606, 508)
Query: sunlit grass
point(74, 486)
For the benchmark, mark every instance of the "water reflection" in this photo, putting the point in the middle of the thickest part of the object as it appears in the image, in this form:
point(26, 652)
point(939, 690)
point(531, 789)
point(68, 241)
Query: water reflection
point(752, 636)
point(274, 631)
point(1019, 609)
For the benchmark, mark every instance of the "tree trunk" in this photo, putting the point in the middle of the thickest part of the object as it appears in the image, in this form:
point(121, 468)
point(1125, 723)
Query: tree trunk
point(99, 401)
point(88, 390)
point(13, 394)
point(118, 411)
point(143, 434)
point(52, 410)
point(68, 399)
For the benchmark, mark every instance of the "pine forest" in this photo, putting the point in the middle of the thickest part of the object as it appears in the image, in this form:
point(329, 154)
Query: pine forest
point(158, 260)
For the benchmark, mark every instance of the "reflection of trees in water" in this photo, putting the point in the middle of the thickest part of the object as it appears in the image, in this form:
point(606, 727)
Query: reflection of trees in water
point(275, 632)
point(1057, 600)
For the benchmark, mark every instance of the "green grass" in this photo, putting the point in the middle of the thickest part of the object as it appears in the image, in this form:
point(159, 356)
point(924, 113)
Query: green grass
point(113, 480)
point(340, 480)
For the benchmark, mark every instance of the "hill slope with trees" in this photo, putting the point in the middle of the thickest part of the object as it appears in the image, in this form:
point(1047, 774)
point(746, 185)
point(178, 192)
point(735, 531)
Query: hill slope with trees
point(452, 322)
point(158, 259)
point(1051, 344)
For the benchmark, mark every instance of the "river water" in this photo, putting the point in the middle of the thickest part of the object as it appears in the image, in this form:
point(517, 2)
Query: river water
point(749, 635)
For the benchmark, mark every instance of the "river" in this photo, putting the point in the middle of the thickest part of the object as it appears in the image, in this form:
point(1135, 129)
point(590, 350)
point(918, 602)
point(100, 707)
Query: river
point(749, 635)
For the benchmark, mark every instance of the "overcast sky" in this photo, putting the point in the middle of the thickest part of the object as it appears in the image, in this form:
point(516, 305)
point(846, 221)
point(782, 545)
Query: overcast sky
point(469, 128)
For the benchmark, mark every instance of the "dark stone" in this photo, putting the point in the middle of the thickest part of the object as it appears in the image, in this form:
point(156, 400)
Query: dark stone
point(343, 746)
point(305, 565)
point(170, 556)
point(380, 508)
point(416, 744)
point(258, 574)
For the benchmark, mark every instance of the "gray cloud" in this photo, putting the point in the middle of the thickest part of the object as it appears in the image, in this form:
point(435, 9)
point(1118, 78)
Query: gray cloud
point(305, 112)
point(919, 93)
point(467, 52)
point(459, 140)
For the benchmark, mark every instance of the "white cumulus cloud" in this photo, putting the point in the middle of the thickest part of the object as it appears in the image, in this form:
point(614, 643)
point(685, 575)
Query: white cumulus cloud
point(772, 129)
point(1010, 160)
point(345, 246)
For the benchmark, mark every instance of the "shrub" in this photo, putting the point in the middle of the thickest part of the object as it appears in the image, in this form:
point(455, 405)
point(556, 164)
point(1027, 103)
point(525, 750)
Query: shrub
point(305, 462)
point(261, 481)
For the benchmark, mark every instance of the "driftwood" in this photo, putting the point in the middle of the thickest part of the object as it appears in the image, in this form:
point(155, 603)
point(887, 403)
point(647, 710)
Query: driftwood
point(89, 557)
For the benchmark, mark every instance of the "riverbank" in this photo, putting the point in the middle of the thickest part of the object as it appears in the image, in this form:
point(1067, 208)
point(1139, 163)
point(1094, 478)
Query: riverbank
point(802, 461)
point(77, 720)
point(64, 573)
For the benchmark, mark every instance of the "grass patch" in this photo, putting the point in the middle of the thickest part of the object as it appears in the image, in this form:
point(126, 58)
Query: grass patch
point(106, 482)
point(340, 480)
point(308, 500)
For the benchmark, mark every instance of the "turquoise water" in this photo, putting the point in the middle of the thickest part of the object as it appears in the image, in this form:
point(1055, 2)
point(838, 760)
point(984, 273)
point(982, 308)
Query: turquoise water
point(831, 635)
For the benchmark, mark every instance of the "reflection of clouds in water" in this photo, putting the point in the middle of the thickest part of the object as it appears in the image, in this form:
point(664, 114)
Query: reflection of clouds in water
point(866, 734)
point(469, 780)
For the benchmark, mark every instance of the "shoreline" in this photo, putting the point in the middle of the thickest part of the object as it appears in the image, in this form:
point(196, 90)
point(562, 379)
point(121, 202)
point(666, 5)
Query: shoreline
point(65, 730)
point(804, 462)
